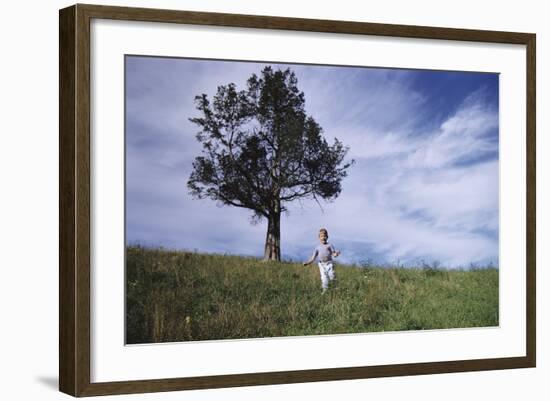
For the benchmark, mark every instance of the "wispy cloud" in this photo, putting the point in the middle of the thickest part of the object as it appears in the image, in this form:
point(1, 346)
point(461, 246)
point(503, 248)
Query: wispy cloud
point(469, 135)
point(424, 186)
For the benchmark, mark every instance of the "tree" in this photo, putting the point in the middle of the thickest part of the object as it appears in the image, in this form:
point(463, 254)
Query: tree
point(261, 151)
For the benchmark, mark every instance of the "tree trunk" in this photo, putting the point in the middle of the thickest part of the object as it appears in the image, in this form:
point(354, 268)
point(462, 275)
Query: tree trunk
point(273, 238)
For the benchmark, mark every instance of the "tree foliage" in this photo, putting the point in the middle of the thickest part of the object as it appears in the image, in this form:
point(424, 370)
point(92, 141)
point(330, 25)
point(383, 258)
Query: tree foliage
point(261, 150)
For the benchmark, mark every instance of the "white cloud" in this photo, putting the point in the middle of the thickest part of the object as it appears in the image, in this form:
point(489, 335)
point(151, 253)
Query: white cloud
point(407, 198)
point(463, 136)
point(411, 194)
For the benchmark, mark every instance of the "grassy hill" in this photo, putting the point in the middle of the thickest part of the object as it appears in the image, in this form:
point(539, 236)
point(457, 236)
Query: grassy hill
point(183, 296)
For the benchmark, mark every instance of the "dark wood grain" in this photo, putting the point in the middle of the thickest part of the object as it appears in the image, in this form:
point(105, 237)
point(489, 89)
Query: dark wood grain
point(74, 205)
point(74, 199)
point(531, 229)
point(67, 131)
point(301, 376)
point(82, 111)
point(301, 24)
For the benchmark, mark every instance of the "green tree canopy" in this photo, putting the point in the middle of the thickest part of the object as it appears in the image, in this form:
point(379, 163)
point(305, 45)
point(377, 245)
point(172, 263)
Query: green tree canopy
point(261, 151)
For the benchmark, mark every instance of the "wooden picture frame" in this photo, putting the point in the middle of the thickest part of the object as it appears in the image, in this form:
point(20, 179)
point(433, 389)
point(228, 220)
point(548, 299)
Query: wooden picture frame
point(75, 200)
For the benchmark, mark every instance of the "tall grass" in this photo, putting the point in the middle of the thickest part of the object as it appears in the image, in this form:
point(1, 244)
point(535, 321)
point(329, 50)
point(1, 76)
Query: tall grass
point(186, 296)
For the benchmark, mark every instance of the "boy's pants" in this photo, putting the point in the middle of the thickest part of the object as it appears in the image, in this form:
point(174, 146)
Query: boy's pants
point(327, 273)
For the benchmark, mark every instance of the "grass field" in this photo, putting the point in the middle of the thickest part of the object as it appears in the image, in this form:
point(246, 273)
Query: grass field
point(184, 296)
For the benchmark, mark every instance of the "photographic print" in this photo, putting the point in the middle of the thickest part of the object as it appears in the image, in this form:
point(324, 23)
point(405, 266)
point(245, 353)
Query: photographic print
point(267, 199)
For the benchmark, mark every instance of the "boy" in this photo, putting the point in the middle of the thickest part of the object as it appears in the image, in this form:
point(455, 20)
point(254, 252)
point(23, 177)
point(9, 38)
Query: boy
point(325, 252)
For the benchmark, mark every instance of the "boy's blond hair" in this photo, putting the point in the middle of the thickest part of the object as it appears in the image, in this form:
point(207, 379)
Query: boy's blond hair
point(323, 230)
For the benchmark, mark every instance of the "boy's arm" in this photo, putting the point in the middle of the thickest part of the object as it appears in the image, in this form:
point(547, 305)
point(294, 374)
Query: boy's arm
point(335, 253)
point(311, 259)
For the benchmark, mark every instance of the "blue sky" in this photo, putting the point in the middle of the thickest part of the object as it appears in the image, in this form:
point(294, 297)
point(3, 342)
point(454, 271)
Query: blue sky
point(424, 185)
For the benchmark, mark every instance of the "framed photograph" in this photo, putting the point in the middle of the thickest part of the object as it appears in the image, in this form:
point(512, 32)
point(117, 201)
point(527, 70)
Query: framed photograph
point(249, 200)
